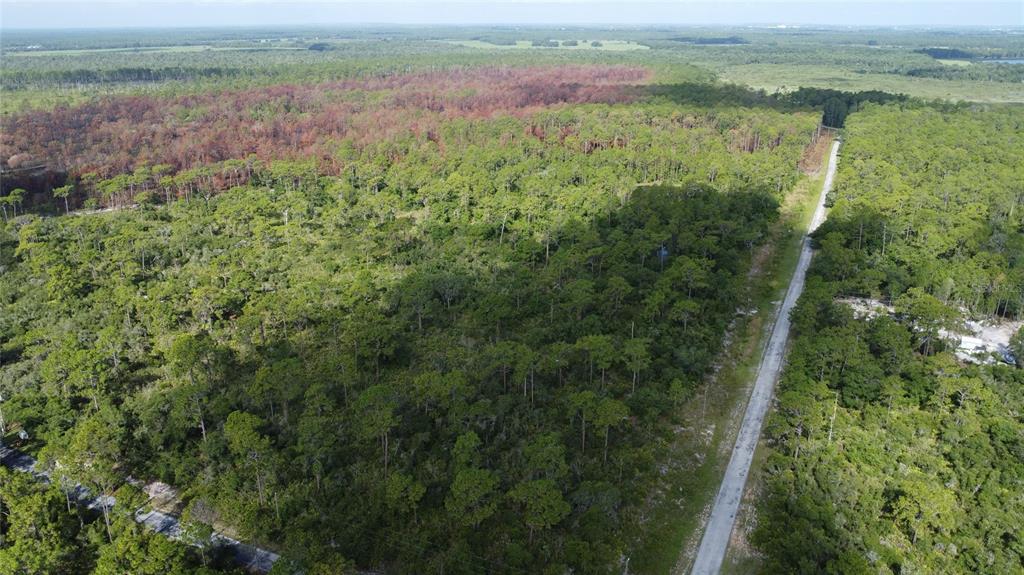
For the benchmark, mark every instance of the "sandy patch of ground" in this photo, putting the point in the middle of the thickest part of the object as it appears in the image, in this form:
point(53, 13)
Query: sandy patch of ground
point(986, 341)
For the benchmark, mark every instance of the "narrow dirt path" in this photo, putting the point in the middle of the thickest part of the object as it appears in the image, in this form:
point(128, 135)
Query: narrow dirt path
point(723, 514)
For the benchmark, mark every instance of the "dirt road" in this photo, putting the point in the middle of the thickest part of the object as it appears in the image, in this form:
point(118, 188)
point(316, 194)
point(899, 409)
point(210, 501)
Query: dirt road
point(723, 514)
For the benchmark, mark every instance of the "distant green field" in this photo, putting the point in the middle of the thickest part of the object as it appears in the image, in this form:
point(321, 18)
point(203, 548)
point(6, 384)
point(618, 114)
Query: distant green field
point(609, 45)
point(784, 77)
point(21, 100)
point(195, 61)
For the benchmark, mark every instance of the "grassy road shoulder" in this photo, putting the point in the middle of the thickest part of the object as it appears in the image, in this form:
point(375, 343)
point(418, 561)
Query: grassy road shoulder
point(740, 556)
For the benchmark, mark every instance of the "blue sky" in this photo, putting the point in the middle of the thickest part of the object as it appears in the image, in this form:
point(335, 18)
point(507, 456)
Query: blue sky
point(194, 13)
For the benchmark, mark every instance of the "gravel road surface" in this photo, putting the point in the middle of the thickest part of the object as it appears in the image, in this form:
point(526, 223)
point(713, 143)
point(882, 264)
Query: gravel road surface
point(723, 514)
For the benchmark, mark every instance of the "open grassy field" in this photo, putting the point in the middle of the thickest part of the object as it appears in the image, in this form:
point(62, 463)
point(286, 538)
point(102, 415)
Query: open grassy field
point(775, 77)
point(607, 45)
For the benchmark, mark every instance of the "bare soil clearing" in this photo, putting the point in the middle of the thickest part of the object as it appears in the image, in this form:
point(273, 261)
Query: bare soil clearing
point(984, 341)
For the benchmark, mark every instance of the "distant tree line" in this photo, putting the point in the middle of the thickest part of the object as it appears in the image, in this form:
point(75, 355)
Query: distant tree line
point(710, 40)
point(947, 53)
point(836, 105)
point(13, 80)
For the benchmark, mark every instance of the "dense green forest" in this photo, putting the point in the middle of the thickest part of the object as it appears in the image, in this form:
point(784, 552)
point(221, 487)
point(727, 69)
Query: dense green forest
point(436, 300)
point(887, 454)
point(445, 351)
point(931, 199)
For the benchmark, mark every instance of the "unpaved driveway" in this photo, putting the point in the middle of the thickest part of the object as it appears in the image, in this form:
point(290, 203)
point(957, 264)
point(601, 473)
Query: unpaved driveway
point(251, 558)
point(723, 514)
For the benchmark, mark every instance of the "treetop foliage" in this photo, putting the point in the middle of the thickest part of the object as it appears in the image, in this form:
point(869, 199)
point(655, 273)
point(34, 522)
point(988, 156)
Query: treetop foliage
point(451, 347)
point(887, 454)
